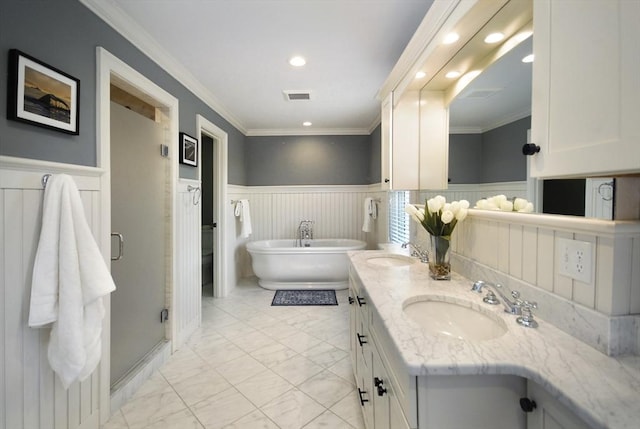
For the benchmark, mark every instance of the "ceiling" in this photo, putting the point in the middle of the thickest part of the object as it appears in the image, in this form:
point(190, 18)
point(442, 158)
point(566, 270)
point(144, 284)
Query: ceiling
point(235, 53)
point(499, 95)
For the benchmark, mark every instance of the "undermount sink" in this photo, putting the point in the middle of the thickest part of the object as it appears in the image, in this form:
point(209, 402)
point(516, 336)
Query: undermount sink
point(392, 260)
point(463, 320)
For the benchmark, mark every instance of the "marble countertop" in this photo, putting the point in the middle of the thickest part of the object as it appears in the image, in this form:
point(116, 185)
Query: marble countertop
point(602, 390)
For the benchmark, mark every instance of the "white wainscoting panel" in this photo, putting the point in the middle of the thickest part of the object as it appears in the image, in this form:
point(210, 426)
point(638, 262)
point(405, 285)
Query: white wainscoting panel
point(523, 247)
point(276, 211)
point(188, 290)
point(31, 396)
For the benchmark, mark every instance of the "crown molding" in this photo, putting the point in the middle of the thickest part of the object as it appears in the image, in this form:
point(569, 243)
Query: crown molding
point(117, 19)
point(310, 132)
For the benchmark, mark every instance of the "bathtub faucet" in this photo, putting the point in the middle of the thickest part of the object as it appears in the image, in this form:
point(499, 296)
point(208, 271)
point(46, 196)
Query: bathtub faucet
point(305, 233)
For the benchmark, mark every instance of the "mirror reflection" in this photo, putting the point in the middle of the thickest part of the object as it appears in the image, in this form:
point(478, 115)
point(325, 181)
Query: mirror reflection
point(488, 125)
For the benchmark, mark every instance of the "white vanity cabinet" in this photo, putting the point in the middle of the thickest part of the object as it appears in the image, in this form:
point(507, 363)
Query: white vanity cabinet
point(585, 99)
point(549, 413)
point(382, 398)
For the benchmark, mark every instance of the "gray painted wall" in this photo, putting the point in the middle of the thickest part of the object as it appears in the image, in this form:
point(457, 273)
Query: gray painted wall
point(308, 160)
point(493, 156)
point(375, 167)
point(465, 158)
point(502, 158)
point(65, 34)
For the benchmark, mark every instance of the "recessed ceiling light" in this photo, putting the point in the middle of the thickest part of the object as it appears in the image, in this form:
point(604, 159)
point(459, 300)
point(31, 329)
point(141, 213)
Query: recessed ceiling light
point(453, 74)
point(297, 61)
point(494, 38)
point(450, 38)
point(420, 75)
point(306, 124)
point(528, 59)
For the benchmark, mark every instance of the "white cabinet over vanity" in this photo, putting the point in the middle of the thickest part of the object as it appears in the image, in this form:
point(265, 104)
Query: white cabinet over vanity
point(586, 93)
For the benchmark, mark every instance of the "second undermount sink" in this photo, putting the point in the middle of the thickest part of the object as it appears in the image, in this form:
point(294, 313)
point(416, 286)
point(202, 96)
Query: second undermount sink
point(392, 260)
point(462, 319)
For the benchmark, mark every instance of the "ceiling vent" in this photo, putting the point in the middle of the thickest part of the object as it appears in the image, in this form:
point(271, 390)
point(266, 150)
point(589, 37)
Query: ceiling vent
point(297, 95)
point(481, 93)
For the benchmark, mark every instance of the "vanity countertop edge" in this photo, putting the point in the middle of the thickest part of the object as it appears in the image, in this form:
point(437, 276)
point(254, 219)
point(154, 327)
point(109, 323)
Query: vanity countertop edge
point(602, 390)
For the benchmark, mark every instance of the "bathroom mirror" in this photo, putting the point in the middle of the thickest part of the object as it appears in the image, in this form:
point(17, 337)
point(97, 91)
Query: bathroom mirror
point(489, 121)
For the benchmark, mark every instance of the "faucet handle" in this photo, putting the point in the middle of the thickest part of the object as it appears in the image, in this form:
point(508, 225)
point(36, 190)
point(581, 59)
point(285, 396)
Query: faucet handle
point(477, 286)
point(526, 319)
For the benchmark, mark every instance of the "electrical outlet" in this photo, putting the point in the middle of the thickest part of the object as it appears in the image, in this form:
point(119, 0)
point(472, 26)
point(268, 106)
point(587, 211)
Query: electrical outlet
point(574, 259)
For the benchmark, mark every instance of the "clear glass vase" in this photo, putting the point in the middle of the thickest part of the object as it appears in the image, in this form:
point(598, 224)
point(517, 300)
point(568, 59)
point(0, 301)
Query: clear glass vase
point(439, 257)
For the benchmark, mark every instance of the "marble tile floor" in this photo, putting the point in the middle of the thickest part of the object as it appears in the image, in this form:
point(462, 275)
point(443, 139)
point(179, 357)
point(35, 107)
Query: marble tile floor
point(250, 366)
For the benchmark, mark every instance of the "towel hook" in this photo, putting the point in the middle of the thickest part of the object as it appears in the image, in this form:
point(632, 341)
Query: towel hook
point(45, 179)
point(196, 193)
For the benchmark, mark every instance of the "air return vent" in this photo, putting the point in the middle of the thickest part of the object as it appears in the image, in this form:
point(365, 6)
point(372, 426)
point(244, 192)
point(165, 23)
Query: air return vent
point(297, 95)
point(481, 93)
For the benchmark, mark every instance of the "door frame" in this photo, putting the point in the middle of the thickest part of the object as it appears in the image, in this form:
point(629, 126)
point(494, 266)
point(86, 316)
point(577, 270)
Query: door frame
point(110, 68)
point(220, 149)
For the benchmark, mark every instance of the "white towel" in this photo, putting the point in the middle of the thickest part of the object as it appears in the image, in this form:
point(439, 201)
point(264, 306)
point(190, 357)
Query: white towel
point(70, 278)
point(370, 213)
point(244, 213)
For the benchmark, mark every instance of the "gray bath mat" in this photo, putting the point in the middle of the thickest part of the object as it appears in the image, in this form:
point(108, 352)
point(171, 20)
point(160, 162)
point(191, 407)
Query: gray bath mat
point(305, 297)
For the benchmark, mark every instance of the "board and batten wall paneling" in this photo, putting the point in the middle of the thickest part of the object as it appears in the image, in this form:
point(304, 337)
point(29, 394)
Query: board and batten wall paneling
point(526, 250)
point(187, 314)
point(276, 212)
point(31, 396)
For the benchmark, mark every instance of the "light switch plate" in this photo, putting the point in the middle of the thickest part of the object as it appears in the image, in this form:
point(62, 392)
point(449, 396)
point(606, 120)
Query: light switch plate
point(574, 259)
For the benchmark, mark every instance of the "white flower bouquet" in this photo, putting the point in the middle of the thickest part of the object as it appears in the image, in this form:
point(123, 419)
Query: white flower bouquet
point(439, 219)
point(501, 203)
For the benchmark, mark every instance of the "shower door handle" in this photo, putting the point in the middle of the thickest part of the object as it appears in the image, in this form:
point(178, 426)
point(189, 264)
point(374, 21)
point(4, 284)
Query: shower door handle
point(120, 246)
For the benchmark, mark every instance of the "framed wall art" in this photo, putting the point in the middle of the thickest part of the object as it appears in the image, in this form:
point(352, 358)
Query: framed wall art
point(42, 95)
point(188, 150)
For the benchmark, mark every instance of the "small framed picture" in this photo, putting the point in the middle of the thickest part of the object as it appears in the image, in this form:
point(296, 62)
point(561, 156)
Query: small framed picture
point(42, 95)
point(188, 150)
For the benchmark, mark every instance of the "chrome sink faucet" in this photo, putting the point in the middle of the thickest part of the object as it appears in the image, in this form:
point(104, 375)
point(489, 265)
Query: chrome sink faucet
point(416, 251)
point(511, 307)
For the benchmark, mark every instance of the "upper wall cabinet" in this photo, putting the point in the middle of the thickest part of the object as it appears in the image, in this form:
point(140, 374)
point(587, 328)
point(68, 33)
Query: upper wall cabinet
point(399, 142)
point(586, 92)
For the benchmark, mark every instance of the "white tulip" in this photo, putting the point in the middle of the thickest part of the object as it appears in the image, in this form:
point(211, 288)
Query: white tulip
point(527, 209)
point(481, 204)
point(506, 206)
point(441, 200)
point(447, 207)
point(433, 206)
point(455, 207)
point(519, 204)
point(464, 204)
point(420, 214)
point(462, 214)
point(447, 216)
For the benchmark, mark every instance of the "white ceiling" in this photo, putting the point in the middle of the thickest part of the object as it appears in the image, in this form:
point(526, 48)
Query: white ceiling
point(499, 95)
point(237, 52)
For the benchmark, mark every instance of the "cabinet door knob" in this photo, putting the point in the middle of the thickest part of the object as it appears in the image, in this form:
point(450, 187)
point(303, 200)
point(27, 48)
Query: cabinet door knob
point(527, 405)
point(386, 180)
point(378, 382)
point(530, 149)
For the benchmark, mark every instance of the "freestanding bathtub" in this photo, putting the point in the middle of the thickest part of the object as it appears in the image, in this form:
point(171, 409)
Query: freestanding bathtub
point(278, 264)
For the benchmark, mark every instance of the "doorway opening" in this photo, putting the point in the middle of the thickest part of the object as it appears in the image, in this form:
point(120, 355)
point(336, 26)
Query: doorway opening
point(217, 189)
point(207, 213)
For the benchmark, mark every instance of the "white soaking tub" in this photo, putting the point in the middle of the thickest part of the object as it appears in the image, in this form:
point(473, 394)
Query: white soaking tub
point(279, 264)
